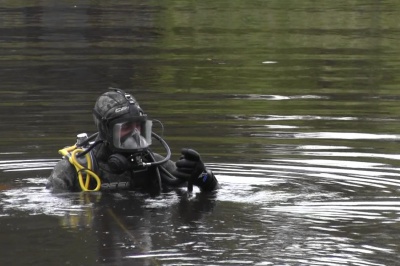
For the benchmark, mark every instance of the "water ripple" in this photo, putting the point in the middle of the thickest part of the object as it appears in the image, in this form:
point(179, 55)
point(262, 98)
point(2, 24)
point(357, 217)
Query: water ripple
point(27, 165)
point(298, 211)
point(338, 211)
point(278, 97)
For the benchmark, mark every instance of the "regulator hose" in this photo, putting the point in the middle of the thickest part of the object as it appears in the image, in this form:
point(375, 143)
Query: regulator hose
point(90, 138)
point(72, 153)
point(86, 151)
point(165, 145)
point(169, 178)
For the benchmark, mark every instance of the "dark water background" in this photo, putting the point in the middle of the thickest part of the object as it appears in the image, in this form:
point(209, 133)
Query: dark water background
point(294, 104)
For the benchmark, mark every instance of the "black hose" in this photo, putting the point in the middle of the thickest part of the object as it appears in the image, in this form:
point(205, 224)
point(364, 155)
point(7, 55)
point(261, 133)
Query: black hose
point(169, 178)
point(90, 147)
point(162, 141)
point(90, 138)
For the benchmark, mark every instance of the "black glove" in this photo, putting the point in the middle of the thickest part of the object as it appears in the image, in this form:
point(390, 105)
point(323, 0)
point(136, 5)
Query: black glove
point(191, 168)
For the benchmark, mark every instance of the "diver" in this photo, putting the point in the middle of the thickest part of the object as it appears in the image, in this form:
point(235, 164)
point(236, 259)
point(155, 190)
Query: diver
point(119, 155)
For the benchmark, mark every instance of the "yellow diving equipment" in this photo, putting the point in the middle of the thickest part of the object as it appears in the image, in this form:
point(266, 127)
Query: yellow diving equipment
point(84, 174)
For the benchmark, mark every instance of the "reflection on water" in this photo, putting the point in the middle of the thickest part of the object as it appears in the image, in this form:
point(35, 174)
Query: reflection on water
point(27, 165)
point(319, 210)
point(294, 105)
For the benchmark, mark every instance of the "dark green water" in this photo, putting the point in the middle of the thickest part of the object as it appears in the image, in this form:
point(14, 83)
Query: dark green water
point(294, 104)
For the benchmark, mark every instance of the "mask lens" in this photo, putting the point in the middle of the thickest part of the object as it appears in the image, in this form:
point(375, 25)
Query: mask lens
point(129, 128)
point(130, 135)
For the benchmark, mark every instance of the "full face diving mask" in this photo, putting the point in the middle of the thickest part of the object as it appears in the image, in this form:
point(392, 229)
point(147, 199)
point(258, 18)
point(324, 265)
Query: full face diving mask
point(132, 134)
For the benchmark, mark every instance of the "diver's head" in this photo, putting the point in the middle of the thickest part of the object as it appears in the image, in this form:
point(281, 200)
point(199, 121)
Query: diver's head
point(121, 122)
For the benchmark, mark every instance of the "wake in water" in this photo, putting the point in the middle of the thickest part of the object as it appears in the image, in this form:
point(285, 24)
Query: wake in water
point(322, 211)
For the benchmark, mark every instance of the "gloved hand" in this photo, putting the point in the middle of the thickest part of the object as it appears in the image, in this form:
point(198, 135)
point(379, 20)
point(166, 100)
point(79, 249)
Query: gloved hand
point(191, 168)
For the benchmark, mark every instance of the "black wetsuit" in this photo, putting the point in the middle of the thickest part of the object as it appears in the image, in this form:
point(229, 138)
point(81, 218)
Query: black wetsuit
point(152, 179)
